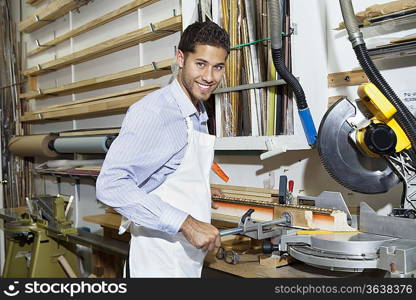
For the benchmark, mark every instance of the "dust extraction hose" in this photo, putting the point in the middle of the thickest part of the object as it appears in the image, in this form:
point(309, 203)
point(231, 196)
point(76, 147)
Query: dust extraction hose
point(279, 64)
point(403, 116)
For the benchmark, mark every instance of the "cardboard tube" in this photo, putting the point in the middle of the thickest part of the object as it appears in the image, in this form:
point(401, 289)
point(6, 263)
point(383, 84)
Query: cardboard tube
point(32, 145)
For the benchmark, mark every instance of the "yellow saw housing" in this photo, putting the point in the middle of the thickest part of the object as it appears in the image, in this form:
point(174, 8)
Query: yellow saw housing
point(383, 112)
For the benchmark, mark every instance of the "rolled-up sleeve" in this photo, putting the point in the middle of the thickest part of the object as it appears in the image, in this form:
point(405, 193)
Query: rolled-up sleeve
point(142, 147)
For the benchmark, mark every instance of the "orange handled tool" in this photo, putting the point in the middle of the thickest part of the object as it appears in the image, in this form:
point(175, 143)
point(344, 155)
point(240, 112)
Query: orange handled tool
point(217, 169)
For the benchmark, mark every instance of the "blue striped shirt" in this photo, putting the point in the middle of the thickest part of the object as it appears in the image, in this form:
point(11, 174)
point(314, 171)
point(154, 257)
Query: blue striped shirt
point(150, 146)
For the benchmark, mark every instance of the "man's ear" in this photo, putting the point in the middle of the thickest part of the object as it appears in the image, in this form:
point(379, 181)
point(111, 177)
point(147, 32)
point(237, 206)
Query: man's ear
point(180, 58)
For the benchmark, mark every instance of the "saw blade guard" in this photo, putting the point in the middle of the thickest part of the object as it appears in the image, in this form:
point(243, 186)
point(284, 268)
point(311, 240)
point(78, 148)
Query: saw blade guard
point(342, 158)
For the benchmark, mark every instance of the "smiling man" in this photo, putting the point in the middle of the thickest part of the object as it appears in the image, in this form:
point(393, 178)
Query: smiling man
point(156, 173)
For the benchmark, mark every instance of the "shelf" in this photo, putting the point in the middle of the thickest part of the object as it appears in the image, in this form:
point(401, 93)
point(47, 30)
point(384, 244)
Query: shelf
point(153, 70)
point(34, 2)
point(399, 18)
point(89, 132)
point(72, 173)
point(393, 50)
point(89, 108)
point(111, 16)
point(149, 33)
point(261, 143)
point(49, 13)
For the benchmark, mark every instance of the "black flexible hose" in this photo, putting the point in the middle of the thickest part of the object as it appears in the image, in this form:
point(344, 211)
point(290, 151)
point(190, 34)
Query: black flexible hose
point(403, 116)
point(289, 78)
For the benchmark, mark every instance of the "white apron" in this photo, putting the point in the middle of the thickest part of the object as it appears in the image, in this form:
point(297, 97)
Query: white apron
point(155, 253)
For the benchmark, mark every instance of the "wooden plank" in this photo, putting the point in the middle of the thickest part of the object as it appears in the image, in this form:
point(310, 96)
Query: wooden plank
point(102, 97)
point(307, 219)
point(249, 267)
point(133, 38)
point(49, 13)
point(32, 83)
point(34, 2)
point(107, 220)
point(403, 40)
point(90, 132)
point(349, 78)
point(111, 16)
point(376, 11)
point(245, 189)
point(119, 78)
point(89, 109)
point(333, 99)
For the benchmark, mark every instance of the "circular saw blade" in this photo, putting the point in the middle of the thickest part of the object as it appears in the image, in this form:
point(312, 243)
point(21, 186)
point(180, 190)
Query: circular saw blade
point(342, 158)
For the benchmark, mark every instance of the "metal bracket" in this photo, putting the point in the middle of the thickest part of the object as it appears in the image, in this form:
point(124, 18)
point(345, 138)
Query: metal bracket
point(154, 30)
point(40, 45)
point(273, 149)
point(155, 67)
point(44, 20)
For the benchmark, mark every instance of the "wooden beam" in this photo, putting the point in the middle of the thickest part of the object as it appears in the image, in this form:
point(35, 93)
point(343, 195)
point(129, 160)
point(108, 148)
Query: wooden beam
point(102, 97)
point(333, 99)
point(159, 69)
point(89, 109)
point(49, 13)
point(90, 132)
point(111, 16)
point(32, 83)
point(133, 38)
point(355, 77)
point(224, 187)
point(34, 2)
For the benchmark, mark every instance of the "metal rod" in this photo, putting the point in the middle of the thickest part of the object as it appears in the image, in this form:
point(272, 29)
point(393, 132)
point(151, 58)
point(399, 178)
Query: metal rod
point(239, 230)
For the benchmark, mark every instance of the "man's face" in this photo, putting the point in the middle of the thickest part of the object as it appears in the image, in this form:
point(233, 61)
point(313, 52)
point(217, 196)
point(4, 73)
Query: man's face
point(201, 71)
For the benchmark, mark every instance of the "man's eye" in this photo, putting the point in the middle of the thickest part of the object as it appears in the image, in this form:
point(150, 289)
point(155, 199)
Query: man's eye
point(200, 65)
point(219, 68)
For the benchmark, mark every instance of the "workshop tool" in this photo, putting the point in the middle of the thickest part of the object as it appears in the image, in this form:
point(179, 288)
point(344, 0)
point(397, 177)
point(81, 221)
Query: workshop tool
point(35, 247)
point(256, 230)
point(368, 146)
point(32, 250)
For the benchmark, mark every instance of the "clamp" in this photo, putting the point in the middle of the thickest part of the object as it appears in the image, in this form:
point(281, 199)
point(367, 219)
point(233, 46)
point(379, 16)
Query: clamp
point(257, 230)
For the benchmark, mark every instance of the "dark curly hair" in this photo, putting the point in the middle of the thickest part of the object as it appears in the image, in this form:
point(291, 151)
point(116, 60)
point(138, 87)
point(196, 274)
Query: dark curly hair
point(204, 33)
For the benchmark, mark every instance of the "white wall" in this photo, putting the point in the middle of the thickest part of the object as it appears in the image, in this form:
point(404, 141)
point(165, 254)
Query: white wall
point(317, 51)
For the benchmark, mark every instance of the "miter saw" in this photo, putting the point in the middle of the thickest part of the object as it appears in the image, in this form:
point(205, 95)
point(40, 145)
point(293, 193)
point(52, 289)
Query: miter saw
point(368, 146)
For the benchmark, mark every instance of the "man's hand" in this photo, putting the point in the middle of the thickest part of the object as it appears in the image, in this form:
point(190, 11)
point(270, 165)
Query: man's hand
point(200, 234)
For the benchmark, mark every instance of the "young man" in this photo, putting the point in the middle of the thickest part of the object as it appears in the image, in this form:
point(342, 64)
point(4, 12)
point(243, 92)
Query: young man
point(156, 173)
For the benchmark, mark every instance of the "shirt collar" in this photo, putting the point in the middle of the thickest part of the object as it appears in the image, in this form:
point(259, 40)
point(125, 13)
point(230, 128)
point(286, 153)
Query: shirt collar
point(185, 104)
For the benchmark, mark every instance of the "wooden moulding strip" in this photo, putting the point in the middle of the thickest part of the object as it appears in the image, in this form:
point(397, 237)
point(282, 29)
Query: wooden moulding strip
point(111, 16)
point(89, 109)
point(355, 77)
point(90, 132)
point(155, 70)
point(245, 189)
point(133, 38)
point(49, 13)
point(34, 2)
point(102, 97)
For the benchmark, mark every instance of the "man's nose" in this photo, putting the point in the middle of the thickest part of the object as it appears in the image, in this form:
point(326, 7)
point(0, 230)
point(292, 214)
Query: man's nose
point(208, 75)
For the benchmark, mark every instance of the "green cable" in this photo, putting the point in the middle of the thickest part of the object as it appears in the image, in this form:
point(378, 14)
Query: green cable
point(248, 44)
point(251, 43)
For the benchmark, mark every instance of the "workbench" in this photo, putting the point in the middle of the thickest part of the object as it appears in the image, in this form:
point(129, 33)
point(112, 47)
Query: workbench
point(248, 266)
